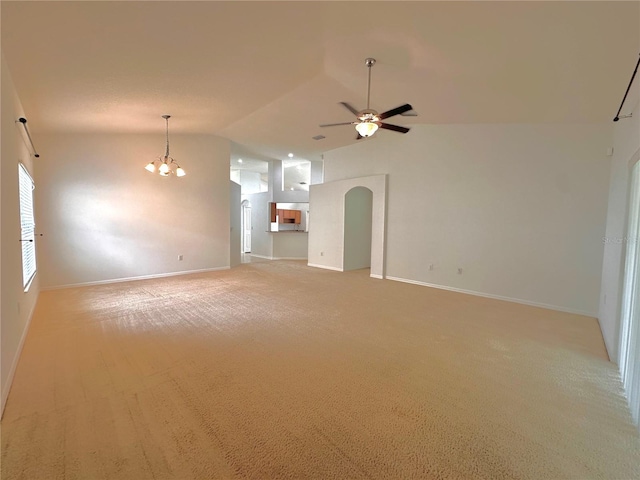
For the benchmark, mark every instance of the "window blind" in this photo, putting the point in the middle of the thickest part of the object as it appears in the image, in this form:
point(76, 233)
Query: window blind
point(27, 226)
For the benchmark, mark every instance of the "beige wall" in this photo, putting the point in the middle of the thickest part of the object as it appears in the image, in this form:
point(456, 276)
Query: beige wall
point(106, 218)
point(16, 305)
point(520, 208)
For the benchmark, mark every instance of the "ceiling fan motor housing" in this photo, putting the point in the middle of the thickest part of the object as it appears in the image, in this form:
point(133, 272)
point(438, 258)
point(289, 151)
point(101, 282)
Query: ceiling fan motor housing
point(369, 116)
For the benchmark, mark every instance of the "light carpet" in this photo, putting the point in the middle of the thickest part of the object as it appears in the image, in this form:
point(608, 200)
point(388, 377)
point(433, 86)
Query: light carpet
point(277, 370)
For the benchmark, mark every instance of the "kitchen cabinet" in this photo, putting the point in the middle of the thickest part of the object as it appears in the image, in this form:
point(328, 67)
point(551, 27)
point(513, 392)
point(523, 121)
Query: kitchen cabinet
point(289, 216)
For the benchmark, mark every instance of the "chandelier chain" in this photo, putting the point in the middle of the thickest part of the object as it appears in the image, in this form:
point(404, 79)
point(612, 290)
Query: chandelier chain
point(166, 117)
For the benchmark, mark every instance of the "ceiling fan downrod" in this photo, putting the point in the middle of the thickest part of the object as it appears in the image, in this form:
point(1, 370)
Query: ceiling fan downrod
point(369, 62)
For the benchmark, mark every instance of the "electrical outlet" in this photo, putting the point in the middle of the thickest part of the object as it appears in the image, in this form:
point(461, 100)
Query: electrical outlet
point(180, 257)
point(459, 271)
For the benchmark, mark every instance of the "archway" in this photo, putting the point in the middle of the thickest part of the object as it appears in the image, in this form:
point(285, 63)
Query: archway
point(358, 220)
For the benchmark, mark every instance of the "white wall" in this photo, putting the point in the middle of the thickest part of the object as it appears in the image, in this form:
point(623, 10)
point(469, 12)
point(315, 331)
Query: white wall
point(357, 228)
point(106, 218)
point(626, 142)
point(251, 181)
point(290, 245)
point(326, 223)
point(520, 208)
point(235, 224)
point(16, 305)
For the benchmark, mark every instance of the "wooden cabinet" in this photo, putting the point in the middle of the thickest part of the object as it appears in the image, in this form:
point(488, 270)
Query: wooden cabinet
point(289, 216)
point(281, 215)
point(273, 211)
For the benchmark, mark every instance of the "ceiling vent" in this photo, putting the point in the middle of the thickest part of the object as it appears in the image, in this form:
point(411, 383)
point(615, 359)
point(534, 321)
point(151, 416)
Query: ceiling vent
point(318, 137)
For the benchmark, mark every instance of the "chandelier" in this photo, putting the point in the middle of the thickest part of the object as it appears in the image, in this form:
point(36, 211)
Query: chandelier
point(166, 165)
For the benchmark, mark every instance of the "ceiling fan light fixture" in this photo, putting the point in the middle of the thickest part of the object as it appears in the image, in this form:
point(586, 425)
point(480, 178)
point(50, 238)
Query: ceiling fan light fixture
point(366, 129)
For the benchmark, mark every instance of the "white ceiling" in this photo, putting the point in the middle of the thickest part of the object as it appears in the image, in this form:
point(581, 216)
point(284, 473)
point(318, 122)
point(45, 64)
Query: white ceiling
point(266, 74)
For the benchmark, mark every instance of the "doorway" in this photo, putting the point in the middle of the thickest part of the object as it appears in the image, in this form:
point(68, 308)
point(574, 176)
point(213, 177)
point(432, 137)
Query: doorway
point(358, 223)
point(246, 226)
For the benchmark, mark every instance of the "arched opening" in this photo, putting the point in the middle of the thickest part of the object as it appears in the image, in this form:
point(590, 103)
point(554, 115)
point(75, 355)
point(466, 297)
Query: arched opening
point(358, 220)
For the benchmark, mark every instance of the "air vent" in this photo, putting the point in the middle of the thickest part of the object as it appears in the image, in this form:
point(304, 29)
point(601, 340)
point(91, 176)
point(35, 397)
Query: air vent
point(318, 137)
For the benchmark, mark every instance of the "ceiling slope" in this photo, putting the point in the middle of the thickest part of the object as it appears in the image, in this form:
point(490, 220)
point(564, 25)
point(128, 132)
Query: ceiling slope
point(266, 74)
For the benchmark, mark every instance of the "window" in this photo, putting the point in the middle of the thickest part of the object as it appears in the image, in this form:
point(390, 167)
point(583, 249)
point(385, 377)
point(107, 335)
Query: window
point(630, 338)
point(27, 226)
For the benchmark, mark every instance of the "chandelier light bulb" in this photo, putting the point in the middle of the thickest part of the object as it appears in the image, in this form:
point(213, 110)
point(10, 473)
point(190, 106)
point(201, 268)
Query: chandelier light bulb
point(180, 172)
point(164, 169)
point(151, 167)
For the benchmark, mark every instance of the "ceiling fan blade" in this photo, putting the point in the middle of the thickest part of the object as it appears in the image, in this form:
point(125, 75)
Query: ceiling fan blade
point(395, 128)
point(336, 124)
point(395, 111)
point(349, 107)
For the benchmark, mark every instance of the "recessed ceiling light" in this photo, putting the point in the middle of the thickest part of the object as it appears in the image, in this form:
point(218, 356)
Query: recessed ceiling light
point(291, 188)
point(239, 160)
point(290, 155)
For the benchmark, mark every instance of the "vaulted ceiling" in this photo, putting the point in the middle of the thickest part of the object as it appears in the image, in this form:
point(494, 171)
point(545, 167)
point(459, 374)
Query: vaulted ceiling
point(266, 74)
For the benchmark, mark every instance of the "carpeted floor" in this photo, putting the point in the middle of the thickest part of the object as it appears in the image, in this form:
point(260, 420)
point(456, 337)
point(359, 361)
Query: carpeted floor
point(276, 370)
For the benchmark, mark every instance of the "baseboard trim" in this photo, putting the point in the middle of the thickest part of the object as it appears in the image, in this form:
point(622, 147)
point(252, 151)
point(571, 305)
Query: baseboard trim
point(325, 267)
point(375, 275)
point(133, 279)
point(276, 258)
point(259, 256)
point(495, 297)
point(6, 388)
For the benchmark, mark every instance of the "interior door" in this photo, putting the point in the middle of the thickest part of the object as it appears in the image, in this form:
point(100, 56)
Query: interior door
point(246, 229)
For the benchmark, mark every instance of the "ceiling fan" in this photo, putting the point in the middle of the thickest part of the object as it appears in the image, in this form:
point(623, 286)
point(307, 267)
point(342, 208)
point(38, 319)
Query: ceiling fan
point(368, 120)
